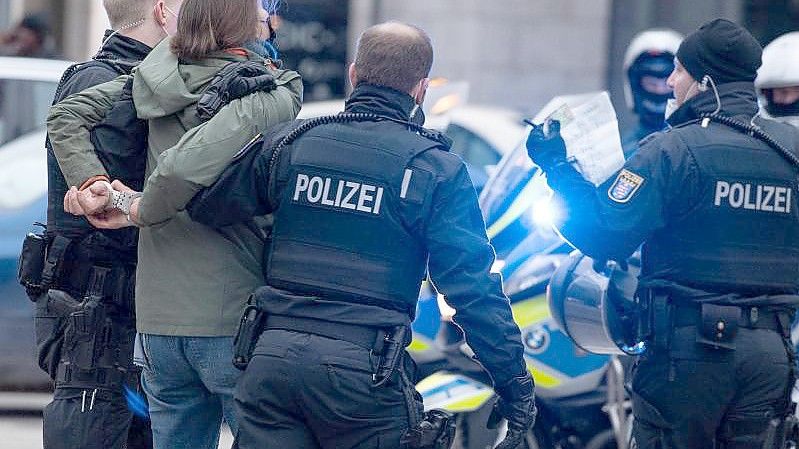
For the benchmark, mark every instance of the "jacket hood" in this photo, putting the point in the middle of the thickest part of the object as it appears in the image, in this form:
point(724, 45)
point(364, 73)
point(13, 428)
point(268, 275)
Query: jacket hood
point(738, 100)
point(163, 85)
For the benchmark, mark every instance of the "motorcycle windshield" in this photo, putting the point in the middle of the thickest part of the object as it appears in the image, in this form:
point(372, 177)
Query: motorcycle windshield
point(516, 203)
point(517, 209)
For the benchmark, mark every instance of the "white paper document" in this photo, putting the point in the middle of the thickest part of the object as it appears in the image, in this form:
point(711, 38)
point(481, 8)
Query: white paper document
point(591, 132)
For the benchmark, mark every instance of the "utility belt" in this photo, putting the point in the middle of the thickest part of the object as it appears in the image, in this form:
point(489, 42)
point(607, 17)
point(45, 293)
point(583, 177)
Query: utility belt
point(68, 375)
point(84, 321)
point(432, 430)
point(59, 263)
point(387, 345)
point(717, 324)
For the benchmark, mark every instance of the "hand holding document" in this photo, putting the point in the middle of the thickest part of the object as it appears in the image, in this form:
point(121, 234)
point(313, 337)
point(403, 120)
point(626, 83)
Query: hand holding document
point(590, 129)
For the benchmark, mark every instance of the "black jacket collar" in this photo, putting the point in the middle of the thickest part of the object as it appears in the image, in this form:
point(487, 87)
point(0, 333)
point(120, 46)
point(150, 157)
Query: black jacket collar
point(380, 100)
point(738, 100)
point(119, 47)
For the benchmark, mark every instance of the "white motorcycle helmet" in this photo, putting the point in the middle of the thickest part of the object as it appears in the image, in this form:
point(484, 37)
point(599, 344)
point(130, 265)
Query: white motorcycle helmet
point(649, 53)
point(780, 69)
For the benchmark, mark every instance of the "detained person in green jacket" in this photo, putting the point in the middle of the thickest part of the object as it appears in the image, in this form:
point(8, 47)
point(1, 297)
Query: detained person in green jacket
point(192, 281)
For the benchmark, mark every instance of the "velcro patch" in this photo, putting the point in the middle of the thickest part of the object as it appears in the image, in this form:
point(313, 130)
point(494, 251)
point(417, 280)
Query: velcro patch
point(626, 185)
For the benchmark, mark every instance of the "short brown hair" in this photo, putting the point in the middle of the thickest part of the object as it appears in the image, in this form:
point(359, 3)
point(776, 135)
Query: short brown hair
point(395, 55)
point(207, 26)
point(123, 13)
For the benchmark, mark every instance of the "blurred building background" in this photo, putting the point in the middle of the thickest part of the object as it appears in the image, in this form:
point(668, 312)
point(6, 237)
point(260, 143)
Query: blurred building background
point(516, 53)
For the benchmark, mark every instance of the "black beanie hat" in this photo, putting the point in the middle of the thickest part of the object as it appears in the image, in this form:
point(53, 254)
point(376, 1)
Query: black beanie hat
point(723, 50)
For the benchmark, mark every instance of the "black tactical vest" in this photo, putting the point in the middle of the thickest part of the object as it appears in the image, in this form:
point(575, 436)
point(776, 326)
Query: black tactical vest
point(340, 224)
point(743, 234)
point(120, 141)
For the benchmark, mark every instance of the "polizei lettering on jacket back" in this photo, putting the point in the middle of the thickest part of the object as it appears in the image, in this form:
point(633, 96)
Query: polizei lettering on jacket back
point(339, 193)
point(761, 197)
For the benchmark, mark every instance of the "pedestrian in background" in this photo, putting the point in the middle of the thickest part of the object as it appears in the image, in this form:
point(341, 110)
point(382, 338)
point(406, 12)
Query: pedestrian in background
point(30, 38)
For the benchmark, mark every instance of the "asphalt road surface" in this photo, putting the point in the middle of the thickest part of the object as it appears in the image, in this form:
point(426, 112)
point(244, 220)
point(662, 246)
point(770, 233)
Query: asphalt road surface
point(21, 421)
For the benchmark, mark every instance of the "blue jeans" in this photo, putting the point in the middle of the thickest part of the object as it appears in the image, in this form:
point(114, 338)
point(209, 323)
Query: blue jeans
point(189, 382)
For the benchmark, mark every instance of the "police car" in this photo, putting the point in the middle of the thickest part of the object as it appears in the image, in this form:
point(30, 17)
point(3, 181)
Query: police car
point(27, 87)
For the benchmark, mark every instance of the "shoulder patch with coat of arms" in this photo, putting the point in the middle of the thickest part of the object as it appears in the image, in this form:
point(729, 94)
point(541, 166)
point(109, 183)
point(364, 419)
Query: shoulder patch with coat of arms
point(625, 186)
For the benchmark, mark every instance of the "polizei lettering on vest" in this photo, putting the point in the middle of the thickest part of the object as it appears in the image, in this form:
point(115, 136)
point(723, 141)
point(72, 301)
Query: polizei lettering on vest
point(338, 193)
point(753, 197)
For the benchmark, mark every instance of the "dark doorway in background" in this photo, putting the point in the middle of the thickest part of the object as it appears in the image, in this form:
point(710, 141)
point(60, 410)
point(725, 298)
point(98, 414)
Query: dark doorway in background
point(768, 19)
point(312, 39)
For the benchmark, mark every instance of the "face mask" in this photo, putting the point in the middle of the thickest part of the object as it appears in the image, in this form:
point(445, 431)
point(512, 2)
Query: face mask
point(780, 110)
point(671, 106)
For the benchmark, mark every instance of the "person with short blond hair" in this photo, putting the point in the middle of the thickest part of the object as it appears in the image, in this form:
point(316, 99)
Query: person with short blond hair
point(89, 409)
point(192, 283)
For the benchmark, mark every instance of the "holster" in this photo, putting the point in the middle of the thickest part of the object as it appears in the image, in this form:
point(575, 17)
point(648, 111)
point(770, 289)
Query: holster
point(436, 431)
point(389, 349)
point(251, 326)
point(656, 319)
point(85, 332)
point(50, 321)
point(97, 351)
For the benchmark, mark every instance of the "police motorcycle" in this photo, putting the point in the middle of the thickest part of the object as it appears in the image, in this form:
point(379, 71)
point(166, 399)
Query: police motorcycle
point(580, 395)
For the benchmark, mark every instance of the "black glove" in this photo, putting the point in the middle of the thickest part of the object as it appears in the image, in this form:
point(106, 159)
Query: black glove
point(546, 149)
point(235, 80)
point(516, 403)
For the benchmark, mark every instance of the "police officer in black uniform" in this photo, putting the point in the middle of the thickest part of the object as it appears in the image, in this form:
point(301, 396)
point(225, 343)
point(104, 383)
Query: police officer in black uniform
point(84, 303)
point(714, 201)
point(89, 406)
point(363, 203)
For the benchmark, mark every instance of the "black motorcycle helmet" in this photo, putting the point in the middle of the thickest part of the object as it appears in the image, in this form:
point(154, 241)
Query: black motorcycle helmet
point(648, 62)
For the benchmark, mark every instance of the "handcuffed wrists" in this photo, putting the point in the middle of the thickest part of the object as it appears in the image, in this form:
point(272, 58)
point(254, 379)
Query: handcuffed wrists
point(123, 200)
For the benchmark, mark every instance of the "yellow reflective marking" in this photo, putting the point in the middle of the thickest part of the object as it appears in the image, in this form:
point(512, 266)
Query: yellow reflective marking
point(515, 211)
point(418, 345)
point(432, 381)
point(542, 379)
point(531, 310)
point(472, 403)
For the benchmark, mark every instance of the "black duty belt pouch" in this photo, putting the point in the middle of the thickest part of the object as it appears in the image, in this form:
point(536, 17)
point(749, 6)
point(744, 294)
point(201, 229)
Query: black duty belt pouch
point(718, 325)
point(251, 326)
point(31, 264)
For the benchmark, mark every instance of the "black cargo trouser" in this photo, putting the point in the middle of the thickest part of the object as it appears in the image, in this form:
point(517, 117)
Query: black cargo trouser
point(695, 396)
point(84, 417)
point(305, 391)
point(93, 419)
